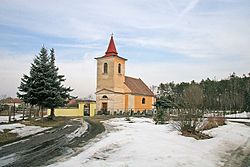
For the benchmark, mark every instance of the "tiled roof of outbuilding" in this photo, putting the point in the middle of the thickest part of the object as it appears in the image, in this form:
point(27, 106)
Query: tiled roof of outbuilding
point(11, 100)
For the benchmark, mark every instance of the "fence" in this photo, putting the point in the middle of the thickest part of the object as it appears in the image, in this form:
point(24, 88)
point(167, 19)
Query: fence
point(126, 111)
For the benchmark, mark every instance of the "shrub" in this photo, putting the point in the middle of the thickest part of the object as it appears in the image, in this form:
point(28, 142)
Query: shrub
point(160, 117)
point(131, 113)
point(213, 122)
point(188, 120)
point(196, 135)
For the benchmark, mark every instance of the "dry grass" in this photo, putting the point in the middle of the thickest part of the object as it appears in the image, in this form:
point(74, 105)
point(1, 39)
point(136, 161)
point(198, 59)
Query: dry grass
point(197, 135)
point(6, 136)
point(214, 122)
point(59, 121)
point(4, 113)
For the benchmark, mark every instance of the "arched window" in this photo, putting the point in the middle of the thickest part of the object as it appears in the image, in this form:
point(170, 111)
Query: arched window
point(119, 68)
point(104, 97)
point(105, 68)
point(143, 100)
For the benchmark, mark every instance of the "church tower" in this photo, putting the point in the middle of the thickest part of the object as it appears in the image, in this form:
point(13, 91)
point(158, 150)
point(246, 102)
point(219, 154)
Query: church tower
point(117, 93)
point(110, 76)
point(111, 70)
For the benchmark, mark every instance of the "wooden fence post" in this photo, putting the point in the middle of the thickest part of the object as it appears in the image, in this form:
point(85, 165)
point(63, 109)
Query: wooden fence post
point(9, 113)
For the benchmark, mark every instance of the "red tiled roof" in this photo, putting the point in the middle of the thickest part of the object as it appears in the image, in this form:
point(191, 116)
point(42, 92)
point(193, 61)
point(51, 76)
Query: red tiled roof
point(72, 102)
point(111, 51)
point(12, 100)
point(137, 86)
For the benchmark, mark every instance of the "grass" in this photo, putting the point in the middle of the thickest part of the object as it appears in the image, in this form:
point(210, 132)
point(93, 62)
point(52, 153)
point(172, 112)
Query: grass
point(4, 113)
point(59, 121)
point(214, 122)
point(5, 136)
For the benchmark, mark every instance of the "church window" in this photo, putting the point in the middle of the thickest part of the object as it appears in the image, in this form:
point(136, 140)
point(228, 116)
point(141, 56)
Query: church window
point(119, 68)
point(104, 97)
point(143, 100)
point(105, 68)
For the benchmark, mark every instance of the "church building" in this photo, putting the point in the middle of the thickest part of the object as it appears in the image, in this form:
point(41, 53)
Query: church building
point(115, 92)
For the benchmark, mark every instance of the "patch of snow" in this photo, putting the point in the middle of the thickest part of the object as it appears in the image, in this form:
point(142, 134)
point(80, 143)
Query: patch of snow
point(239, 120)
point(5, 160)
point(11, 126)
point(66, 126)
point(5, 119)
point(78, 132)
point(40, 118)
point(142, 143)
point(22, 130)
point(239, 115)
point(77, 119)
point(28, 130)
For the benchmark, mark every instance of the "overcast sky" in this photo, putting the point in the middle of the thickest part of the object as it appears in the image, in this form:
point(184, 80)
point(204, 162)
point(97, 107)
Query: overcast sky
point(163, 40)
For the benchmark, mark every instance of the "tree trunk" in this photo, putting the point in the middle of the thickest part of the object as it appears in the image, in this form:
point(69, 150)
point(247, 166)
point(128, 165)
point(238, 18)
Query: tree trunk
point(42, 113)
point(52, 113)
point(23, 111)
point(30, 111)
point(14, 111)
point(34, 112)
point(38, 111)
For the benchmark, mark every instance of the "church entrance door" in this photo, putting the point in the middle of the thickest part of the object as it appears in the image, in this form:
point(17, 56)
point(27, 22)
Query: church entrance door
point(105, 108)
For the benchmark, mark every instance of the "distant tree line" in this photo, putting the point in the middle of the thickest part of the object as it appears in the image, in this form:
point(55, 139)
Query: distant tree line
point(231, 94)
point(190, 101)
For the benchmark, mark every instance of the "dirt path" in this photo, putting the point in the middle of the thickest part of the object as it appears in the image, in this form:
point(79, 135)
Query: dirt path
point(42, 149)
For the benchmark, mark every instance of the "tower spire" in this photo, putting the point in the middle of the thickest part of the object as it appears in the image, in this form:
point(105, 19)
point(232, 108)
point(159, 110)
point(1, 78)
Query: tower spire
point(111, 51)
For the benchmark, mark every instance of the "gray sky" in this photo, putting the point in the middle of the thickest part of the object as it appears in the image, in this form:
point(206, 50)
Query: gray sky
point(163, 40)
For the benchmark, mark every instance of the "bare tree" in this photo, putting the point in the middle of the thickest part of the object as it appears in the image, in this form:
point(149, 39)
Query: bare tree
point(191, 116)
point(193, 97)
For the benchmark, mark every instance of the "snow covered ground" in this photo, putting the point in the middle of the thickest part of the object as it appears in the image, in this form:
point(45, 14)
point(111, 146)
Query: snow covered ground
point(78, 132)
point(21, 129)
point(143, 143)
point(240, 115)
point(5, 119)
point(239, 120)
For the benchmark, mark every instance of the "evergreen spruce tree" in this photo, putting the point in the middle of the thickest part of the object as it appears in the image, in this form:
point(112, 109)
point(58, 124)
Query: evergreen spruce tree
point(42, 78)
point(58, 93)
point(44, 86)
point(26, 87)
point(160, 116)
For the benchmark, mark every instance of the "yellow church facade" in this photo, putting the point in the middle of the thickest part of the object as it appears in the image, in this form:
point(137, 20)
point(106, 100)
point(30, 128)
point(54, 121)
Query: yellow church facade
point(117, 93)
